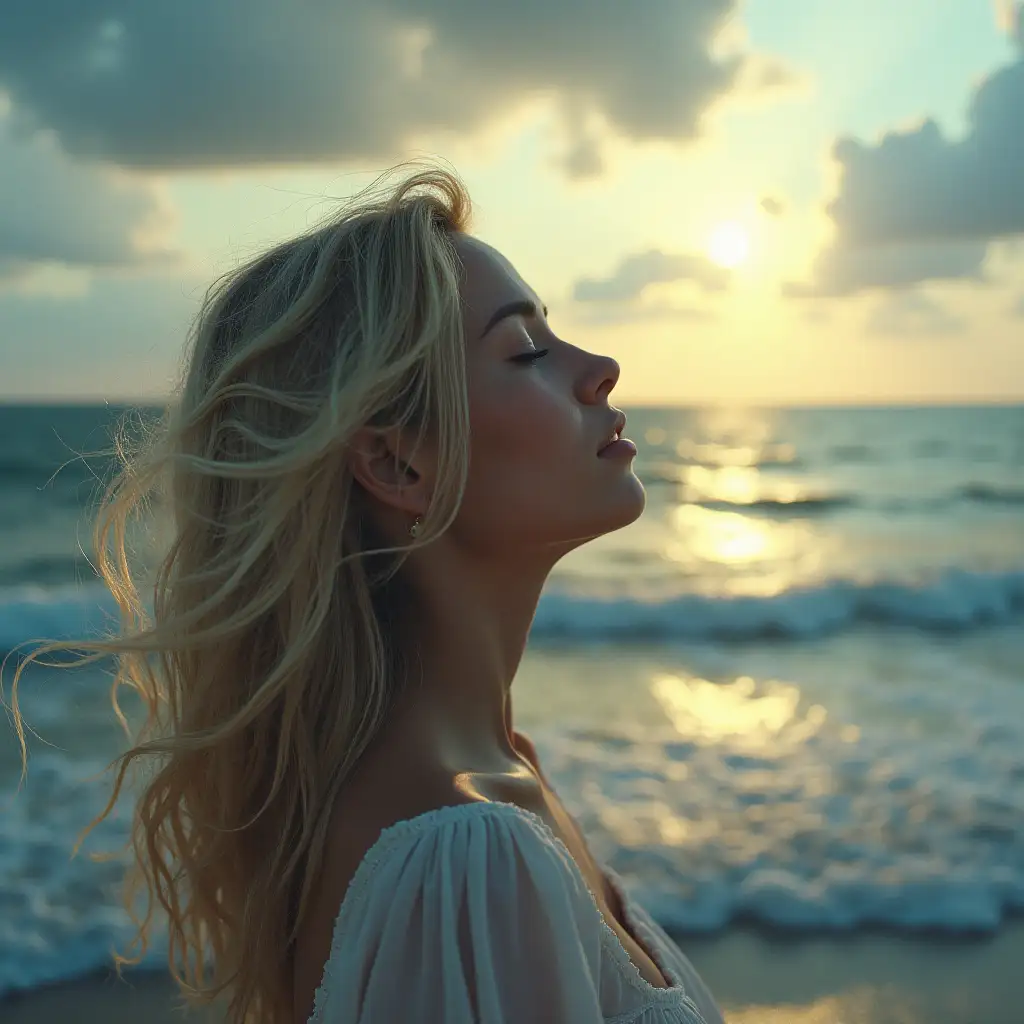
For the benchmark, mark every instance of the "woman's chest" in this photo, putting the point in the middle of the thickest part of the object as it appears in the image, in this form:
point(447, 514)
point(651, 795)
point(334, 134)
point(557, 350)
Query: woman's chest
point(564, 826)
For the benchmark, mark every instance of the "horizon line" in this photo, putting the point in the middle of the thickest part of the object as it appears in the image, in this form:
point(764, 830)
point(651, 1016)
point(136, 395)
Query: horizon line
point(908, 402)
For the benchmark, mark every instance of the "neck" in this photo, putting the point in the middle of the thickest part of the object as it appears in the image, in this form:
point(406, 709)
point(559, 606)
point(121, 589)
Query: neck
point(471, 631)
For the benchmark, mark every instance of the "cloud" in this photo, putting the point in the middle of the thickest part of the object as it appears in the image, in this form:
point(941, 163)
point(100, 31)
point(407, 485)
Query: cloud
point(842, 270)
point(917, 206)
point(607, 314)
point(917, 186)
point(58, 211)
point(635, 273)
point(195, 84)
point(617, 298)
point(913, 314)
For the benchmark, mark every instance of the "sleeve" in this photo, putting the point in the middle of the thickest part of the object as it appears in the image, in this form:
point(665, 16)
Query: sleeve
point(480, 919)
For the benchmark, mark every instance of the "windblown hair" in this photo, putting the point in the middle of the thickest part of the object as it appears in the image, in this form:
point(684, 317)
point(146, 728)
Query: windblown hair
point(275, 646)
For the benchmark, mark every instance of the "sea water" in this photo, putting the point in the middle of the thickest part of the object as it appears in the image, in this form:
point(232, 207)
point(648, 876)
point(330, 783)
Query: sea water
point(792, 693)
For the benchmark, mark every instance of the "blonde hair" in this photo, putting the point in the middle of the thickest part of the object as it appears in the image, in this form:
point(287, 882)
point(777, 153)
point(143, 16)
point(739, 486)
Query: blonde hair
point(275, 648)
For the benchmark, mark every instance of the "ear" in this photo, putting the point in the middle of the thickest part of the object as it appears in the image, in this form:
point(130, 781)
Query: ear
point(384, 463)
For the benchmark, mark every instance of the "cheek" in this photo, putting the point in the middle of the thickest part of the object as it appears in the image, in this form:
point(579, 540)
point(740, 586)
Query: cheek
point(524, 436)
point(518, 414)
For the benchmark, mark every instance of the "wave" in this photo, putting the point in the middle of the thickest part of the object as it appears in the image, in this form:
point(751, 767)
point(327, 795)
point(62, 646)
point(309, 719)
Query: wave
point(828, 502)
point(853, 453)
point(33, 612)
point(810, 833)
point(45, 570)
point(988, 494)
point(985, 494)
point(69, 471)
point(59, 919)
point(811, 505)
point(677, 472)
point(958, 600)
point(15, 469)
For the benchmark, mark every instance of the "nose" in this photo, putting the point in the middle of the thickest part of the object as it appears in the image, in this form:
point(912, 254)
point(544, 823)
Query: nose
point(601, 375)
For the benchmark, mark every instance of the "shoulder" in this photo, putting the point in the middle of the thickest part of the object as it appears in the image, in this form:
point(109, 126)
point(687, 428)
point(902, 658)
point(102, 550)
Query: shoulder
point(370, 805)
point(504, 852)
point(474, 900)
point(418, 805)
point(432, 830)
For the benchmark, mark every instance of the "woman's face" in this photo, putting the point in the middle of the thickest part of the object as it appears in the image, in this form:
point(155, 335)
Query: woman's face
point(536, 480)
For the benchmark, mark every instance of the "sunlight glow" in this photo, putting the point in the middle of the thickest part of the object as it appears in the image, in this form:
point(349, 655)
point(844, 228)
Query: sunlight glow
point(729, 245)
point(758, 715)
point(725, 538)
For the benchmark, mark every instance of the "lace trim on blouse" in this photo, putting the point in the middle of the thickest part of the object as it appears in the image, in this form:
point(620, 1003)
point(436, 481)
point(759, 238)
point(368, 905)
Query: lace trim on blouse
point(361, 881)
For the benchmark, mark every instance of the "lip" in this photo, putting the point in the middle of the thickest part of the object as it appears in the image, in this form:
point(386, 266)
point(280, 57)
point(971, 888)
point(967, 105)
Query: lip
point(622, 447)
point(615, 433)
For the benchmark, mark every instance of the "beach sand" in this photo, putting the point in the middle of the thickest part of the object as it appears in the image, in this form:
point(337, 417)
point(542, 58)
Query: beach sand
point(864, 978)
point(757, 979)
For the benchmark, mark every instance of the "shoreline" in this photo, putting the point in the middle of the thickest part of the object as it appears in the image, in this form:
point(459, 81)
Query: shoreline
point(757, 977)
point(871, 977)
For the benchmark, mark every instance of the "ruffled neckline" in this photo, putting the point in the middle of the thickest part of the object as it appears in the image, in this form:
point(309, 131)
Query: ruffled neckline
point(359, 886)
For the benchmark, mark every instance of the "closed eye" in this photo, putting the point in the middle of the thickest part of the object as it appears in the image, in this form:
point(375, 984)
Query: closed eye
point(530, 357)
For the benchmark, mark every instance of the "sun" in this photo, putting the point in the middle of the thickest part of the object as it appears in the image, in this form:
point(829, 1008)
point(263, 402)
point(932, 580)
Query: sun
point(729, 244)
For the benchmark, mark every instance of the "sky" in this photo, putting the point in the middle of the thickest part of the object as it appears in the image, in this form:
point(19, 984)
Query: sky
point(759, 202)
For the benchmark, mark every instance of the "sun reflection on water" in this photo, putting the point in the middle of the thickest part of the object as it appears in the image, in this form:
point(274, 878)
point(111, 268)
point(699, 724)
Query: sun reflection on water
point(739, 711)
point(739, 554)
point(721, 536)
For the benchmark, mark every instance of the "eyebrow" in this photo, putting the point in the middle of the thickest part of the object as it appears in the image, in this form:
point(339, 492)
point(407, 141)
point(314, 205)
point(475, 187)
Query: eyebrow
point(519, 307)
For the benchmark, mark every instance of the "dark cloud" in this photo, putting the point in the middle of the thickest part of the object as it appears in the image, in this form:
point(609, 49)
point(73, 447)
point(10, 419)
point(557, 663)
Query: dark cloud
point(843, 270)
point(918, 186)
point(581, 156)
point(636, 272)
point(913, 314)
point(917, 206)
point(772, 206)
point(56, 210)
point(198, 84)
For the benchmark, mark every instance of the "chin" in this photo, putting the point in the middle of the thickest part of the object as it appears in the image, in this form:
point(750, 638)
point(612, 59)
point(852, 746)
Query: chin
point(633, 501)
point(619, 507)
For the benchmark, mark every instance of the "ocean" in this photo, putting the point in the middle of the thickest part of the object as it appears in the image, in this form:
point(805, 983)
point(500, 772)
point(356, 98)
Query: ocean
point(791, 695)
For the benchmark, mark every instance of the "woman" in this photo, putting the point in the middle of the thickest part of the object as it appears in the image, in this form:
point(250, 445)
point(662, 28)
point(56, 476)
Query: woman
point(380, 451)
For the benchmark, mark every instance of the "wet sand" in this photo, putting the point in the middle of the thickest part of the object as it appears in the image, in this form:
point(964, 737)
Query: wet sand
point(757, 979)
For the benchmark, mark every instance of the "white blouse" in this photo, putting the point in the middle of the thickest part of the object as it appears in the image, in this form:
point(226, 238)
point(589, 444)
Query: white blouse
point(478, 914)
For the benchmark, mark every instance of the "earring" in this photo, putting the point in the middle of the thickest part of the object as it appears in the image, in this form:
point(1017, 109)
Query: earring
point(415, 528)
